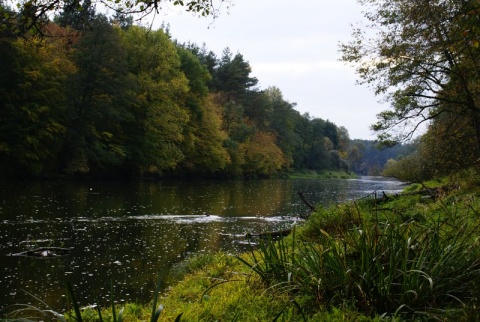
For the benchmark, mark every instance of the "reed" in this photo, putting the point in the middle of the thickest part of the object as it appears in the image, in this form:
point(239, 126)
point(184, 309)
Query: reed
point(425, 269)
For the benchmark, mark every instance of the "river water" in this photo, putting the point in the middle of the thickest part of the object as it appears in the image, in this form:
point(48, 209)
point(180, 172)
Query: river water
point(130, 234)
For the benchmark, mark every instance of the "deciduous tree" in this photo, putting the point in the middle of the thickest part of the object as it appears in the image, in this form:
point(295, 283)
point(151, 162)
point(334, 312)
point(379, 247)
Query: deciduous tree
point(156, 131)
point(33, 75)
point(203, 135)
point(99, 95)
point(424, 56)
point(262, 155)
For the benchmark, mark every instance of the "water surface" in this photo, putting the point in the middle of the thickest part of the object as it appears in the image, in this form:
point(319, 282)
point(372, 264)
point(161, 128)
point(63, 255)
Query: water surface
point(129, 233)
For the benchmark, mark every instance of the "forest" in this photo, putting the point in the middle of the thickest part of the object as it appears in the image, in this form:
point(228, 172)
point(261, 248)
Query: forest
point(89, 95)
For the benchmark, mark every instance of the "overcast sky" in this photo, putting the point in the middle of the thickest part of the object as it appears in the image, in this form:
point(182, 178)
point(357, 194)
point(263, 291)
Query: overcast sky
point(293, 45)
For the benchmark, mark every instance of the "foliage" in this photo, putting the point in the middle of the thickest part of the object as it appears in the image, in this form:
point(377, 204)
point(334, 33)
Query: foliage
point(424, 58)
point(447, 148)
point(263, 156)
point(106, 98)
point(158, 113)
point(438, 153)
point(409, 169)
point(203, 144)
point(98, 95)
point(33, 103)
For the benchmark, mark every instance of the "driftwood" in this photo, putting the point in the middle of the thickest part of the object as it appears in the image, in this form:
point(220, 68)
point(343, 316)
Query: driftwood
point(305, 201)
point(45, 252)
point(270, 234)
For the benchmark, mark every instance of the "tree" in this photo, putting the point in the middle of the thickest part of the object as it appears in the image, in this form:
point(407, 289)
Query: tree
point(425, 57)
point(99, 94)
point(330, 131)
point(445, 150)
point(203, 143)
point(155, 132)
point(410, 168)
point(355, 152)
point(232, 76)
point(283, 118)
point(262, 155)
point(33, 75)
point(319, 146)
point(76, 15)
point(123, 20)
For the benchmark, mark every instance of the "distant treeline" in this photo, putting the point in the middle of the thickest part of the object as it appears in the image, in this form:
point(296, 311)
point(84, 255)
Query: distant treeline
point(98, 96)
point(371, 160)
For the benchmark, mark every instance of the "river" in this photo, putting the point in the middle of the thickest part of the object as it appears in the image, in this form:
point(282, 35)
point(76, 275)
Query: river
point(133, 233)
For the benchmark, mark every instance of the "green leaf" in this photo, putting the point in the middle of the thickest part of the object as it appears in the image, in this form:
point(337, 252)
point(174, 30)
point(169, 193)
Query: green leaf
point(177, 319)
point(120, 315)
point(76, 308)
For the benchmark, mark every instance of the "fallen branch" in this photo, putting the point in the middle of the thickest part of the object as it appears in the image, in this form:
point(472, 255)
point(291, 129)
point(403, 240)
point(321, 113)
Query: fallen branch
point(45, 252)
point(305, 201)
point(270, 234)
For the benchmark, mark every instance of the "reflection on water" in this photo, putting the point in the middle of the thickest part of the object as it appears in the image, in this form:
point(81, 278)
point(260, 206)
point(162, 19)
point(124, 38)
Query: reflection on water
point(129, 233)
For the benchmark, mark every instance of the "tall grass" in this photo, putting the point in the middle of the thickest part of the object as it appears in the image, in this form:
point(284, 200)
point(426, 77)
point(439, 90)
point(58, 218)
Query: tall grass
point(424, 269)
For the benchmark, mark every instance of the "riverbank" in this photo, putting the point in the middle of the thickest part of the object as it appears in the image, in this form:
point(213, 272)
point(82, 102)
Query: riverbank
point(331, 174)
point(412, 256)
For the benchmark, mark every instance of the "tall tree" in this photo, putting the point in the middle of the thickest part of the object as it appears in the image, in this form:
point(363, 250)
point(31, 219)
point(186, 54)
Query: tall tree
point(76, 15)
point(283, 119)
point(203, 134)
point(262, 156)
point(99, 94)
point(156, 131)
point(425, 56)
point(232, 76)
point(446, 149)
point(123, 20)
point(33, 75)
point(318, 157)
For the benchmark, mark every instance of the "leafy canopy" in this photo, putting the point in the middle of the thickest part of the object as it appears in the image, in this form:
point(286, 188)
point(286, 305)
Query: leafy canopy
point(424, 57)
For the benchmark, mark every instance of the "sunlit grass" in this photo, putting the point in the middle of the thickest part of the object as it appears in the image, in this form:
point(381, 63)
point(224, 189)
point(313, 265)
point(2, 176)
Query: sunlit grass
point(409, 258)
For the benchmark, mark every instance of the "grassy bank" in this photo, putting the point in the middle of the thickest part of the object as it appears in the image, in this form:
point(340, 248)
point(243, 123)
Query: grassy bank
point(399, 258)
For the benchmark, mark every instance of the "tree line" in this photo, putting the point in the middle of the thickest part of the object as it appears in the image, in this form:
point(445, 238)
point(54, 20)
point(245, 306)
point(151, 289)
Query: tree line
point(96, 96)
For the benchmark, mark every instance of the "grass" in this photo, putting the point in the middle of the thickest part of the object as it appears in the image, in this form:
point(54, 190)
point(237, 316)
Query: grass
point(406, 258)
point(410, 258)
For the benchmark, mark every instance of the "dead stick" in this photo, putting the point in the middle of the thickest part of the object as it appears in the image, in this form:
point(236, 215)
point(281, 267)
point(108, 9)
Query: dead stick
point(309, 205)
